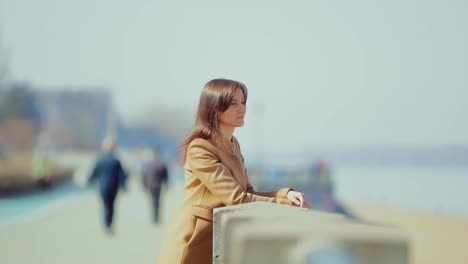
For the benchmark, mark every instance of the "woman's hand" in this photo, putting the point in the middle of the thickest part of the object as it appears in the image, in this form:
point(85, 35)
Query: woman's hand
point(298, 199)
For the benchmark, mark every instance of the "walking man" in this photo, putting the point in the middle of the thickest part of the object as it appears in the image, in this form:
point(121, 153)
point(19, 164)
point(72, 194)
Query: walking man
point(109, 173)
point(155, 176)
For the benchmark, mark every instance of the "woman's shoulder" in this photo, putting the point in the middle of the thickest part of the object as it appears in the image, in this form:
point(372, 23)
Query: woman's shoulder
point(202, 144)
point(197, 141)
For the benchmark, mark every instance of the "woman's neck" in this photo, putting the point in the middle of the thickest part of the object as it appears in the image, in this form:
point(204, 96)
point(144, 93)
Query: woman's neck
point(226, 132)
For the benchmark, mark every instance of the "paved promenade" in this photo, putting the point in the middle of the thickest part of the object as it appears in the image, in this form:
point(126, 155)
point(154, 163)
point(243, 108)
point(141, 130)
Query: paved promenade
point(71, 231)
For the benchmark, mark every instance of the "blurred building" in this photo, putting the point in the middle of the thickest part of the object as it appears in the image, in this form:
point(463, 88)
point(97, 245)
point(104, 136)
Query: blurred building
point(75, 119)
point(17, 134)
point(131, 137)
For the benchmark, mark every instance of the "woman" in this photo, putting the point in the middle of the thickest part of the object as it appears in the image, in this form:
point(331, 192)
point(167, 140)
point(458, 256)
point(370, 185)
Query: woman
point(215, 175)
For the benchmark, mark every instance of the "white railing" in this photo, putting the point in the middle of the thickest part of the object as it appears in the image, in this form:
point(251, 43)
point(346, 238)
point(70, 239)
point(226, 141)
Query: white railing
point(263, 232)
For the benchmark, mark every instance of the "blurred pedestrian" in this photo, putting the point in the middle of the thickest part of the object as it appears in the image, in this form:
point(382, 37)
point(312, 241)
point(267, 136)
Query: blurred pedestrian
point(111, 176)
point(155, 178)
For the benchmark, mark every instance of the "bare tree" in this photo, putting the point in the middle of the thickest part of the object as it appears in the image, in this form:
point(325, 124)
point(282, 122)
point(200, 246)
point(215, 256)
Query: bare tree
point(3, 79)
point(3, 65)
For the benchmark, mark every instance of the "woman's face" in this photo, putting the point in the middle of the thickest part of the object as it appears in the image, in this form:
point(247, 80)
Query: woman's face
point(234, 115)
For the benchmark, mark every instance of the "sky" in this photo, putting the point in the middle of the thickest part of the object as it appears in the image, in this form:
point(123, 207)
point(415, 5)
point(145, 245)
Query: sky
point(319, 73)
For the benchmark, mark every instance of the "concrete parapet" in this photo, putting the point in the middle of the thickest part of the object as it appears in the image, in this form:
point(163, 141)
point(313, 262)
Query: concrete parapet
point(271, 233)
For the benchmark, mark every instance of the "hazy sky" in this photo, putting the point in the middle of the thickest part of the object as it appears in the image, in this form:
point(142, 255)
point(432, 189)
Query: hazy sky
point(324, 72)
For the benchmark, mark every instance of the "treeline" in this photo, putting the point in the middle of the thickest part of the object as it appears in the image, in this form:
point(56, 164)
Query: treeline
point(17, 101)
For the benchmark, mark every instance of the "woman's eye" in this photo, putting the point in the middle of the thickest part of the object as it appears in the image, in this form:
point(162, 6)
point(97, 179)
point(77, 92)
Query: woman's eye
point(237, 103)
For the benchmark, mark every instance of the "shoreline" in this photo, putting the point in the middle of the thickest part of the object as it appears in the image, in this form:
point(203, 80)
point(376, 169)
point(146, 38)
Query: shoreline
point(14, 184)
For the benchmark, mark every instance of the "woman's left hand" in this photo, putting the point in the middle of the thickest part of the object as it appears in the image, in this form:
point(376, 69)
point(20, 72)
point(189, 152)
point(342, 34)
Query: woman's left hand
point(298, 199)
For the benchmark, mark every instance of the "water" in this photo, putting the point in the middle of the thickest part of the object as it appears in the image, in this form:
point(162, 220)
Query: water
point(438, 189)
point(19, 207)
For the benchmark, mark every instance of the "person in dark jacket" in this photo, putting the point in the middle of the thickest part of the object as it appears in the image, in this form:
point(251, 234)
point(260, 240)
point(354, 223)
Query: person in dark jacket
point(111, 176)
point(154, 178)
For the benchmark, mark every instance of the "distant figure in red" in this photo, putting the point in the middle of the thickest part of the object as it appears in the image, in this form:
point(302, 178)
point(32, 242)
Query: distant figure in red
point(154, 178)
point(322, 165)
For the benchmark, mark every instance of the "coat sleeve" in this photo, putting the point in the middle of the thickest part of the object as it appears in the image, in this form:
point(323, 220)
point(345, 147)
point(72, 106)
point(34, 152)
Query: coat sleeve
point(205, 165)
point(281, 193)
point(94, 174)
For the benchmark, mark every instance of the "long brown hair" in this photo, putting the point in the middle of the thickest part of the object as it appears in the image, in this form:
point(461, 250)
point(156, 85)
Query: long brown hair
point(215, 98)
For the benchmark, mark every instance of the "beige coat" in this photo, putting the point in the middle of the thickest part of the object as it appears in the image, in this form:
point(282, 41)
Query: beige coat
point(214, 177)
